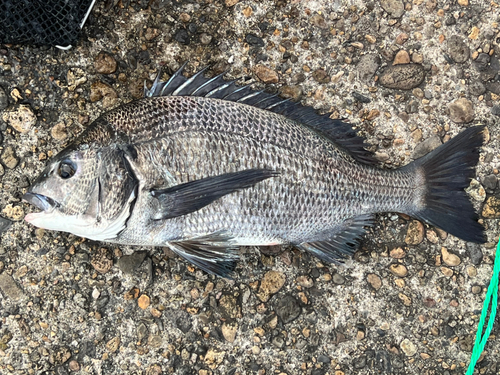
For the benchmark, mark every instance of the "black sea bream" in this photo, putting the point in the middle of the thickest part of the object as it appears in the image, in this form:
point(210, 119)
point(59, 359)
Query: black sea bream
point(202, 166)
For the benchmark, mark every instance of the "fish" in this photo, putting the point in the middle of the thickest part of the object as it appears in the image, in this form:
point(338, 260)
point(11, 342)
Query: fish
point(203, 166)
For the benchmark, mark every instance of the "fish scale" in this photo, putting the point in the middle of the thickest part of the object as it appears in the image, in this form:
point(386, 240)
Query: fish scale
point(294, 222)
point(202, 166)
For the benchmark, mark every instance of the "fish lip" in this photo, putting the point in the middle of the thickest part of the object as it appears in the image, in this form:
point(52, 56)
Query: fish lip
point(40, 201)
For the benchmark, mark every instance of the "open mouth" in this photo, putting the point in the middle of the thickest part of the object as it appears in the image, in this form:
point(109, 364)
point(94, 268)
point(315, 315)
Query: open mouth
point(40, 201)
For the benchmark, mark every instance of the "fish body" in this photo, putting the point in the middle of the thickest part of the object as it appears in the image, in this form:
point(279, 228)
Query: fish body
point(202, 166)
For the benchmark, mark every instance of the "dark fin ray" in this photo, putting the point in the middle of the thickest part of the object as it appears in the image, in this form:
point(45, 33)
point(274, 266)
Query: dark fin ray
point(336, 131)
point(222, 91)
point(239, 93)
point(210, 85)
point(341, 245)
point(191, 196)
point(213, 254)
point(448, 171)
point(191, 84)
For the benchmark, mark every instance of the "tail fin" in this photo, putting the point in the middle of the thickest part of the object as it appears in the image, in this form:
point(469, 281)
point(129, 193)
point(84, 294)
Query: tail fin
point(448, 170)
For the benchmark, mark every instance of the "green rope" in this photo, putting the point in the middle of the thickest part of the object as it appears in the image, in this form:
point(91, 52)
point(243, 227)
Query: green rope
point(491, 296)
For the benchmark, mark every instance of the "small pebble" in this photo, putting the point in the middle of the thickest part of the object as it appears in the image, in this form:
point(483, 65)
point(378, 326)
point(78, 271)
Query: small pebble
point(461, 111)
point(490, 182)
point(4, 99)
point(397, 253)
point(374, 280)
point(182, 36)
point(305, 282)
point(113, 344)
point(415, 233)
point(254, 40)
point(151, 33)
point(102, 260)
point(458, 49)
point(367, 66)
point(104, 63)
point(476, 289)
point(321, 76)
point(59, 132)
point(143, 301)
point(75, 77)
point(9, 158)
point(338, 279)
point(229, 331)
point(491, 209)
point(74, 365)
point(100, 90)
point(287, 308)
point(408, 348)
point(21, 118)
point(9, 287)
point(271, 283)
point(476, 191)
point(398, 270)
point(205, 38)
point(431, 236)
point(402, 76)
point(395, 8)
point(423, 148)
point(447, 271)
point(292, 92)
point(449, 259)
point(266, 74)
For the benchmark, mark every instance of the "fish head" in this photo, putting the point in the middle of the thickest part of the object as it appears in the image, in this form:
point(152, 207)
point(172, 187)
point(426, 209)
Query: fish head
point(66, 192)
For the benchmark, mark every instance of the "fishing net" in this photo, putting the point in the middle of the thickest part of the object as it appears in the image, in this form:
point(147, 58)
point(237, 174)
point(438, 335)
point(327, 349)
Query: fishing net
point(42, 22)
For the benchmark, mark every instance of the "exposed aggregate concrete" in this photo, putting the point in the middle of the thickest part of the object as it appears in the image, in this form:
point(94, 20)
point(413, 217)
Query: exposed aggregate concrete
point(408, 74)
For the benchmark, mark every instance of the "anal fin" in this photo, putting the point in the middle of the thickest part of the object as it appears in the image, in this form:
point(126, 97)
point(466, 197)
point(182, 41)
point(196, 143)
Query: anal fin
point(214, 253)
point(342, 244)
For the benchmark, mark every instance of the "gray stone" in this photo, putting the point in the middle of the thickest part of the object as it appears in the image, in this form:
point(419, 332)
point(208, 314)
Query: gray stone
point(458, 49)
point(9, 287)
point(4, 100)
point(461, 111)
point(482, 61)
point(476, 88)
point(495, 110)
point(129, 263)
point(402, 76)
point(287, 308)
point(4, 224)
point(367, 66)
point(475, 253)
point(493, 87)
point(426, 146)
point(338, 279)
point(394, 7)
point(490, 182)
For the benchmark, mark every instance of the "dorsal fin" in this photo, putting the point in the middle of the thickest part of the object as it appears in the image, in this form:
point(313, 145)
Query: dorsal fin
point(337, 131)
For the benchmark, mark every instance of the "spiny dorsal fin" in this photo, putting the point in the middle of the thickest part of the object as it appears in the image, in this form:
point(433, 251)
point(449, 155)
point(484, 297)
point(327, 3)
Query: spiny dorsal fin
point(340, 133)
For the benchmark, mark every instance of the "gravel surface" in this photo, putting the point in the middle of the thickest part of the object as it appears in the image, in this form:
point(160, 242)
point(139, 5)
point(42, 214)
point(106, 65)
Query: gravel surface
point(408, 74)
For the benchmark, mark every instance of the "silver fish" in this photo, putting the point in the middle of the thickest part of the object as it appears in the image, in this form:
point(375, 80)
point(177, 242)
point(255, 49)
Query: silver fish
point(202, 165)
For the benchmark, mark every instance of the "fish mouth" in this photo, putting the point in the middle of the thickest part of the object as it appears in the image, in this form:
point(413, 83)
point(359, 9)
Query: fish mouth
point(40, 201)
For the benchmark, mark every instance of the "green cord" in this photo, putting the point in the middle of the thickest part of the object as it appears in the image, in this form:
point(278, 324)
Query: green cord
point(491, 296)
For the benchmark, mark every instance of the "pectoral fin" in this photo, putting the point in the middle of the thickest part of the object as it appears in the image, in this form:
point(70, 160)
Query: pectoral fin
point(190, 197)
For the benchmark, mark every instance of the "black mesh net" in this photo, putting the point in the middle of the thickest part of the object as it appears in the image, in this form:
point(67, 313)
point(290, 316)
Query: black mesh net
point(41, 22)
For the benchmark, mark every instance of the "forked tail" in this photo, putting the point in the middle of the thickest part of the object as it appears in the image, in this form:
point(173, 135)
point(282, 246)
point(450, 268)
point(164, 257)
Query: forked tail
point(447, 171)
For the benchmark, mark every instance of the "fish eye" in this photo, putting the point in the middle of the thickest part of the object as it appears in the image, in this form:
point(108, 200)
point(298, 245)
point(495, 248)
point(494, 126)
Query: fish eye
point(66, 169)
